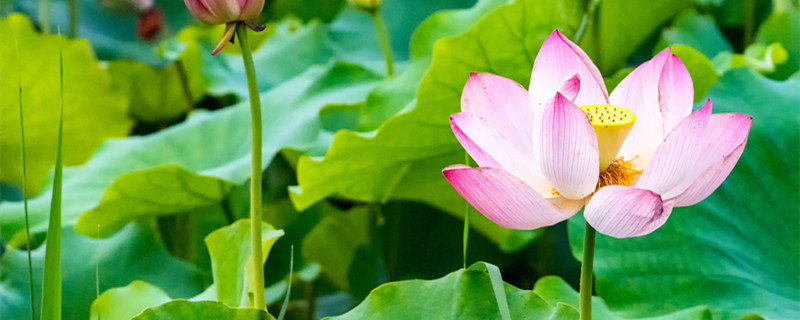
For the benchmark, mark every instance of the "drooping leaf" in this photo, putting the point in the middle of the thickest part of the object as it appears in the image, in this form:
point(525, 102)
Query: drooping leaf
point(132, 254)
point(462, 294)
point(231, 257)
point(183, 309)
point(128, 301)
point(737, 251)
point(92, 110)
point(404, 159)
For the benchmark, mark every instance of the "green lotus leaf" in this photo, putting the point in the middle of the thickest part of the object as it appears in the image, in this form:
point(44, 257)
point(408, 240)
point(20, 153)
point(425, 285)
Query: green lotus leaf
point(92, 110)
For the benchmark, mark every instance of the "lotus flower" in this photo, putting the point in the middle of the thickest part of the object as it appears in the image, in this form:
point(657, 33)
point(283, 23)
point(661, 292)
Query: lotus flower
point(228, 12)
point(629, 157)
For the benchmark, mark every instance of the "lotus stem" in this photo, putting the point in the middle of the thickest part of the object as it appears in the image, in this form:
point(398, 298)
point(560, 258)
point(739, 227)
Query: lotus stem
point(383, 40)
point(587, 267)
point(255, 179)
point(73, 18)
point(44, 16)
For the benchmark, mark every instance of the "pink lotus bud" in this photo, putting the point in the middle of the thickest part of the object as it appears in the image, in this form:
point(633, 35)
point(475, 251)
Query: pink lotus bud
point(225, 11)
point(126, 7)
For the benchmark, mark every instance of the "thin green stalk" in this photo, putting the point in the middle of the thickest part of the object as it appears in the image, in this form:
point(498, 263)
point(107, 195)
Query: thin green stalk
point(24, 189)
point(587, 267)
point(285, 306)
point(466, 222)
point(184, 79)
point(749, 22)
point(44, 15)
point(255, 180)
point(51, 300)
point(383, 39)
point(73, 18)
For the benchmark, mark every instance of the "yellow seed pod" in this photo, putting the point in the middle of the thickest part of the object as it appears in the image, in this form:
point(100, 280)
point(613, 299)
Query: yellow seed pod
point(611, 125)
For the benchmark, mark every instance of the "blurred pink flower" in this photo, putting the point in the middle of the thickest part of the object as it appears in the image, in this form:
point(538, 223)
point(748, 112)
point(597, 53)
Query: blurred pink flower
point(228, 12)
point(630, 157)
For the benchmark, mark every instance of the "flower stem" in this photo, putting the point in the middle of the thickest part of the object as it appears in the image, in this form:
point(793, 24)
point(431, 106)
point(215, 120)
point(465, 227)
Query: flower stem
point(73, 18)
point(466, 221)
point(255, 179)
point(383, 39)
point(44, 16)
point(185, 86)
point(586, 273)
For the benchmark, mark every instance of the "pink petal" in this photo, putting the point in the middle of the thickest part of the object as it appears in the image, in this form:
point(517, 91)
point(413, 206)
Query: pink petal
point(225, 10)
point(721, 149)
point(643, 93)
point(503, 198)
point(570, 87)
point(504, 104)
point(671, 170)
point(250, 9)
point(624, 212)
point(201, 11)
point(559, 59)
point(709, 180)
point(568, 148)
point(490, 148)
point(676, 93)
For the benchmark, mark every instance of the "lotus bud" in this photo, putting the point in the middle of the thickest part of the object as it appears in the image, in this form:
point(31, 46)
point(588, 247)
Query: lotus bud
point(367, 5)
point(227, 12)
point(126, 7)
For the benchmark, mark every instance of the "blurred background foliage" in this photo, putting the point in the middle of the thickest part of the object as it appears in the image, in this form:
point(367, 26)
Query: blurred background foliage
point(157, 147)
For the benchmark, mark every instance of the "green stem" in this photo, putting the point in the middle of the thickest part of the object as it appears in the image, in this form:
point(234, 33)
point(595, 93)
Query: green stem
point(73, 18)
point(184, 79)
point(586, 273)
point(44, 15)
point(255, 179)
point(383, 39)
point(749, 22)
point(25, 191)
point(466, 222)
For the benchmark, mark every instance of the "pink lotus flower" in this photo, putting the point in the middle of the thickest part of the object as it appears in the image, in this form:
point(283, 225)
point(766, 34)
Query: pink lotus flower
point(225, 11)
point(630, 157)
point(228, 12)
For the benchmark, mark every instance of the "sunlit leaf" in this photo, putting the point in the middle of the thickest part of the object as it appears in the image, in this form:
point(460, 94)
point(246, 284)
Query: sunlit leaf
point(182, 309)
point(128, 301)
point(463, 294)
point(231, 256)
point(92, 110)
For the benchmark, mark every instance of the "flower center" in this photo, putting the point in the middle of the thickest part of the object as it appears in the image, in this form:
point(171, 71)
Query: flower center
point(620, 172)
point(611, 125)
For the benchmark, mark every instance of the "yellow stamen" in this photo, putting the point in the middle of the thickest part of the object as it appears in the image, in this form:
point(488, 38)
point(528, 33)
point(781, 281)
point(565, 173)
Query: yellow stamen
point(611, 125)
point(621, 173)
